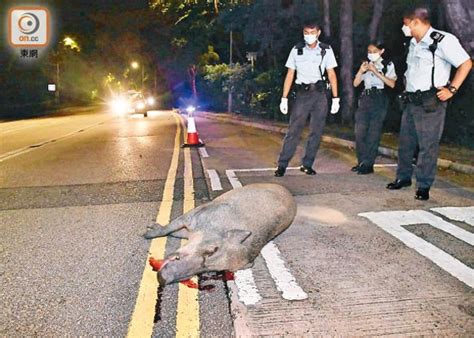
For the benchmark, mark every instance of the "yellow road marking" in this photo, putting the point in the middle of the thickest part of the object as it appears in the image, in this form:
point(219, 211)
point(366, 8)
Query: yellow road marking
point(187, 313)
point(141, 324)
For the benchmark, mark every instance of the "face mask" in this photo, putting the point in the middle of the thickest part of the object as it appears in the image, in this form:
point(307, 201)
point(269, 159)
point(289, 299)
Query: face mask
point(373, 56)
point(406, 30)
point(310, 38)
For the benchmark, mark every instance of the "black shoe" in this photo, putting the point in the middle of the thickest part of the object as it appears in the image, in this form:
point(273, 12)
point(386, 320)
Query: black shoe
point(398, 184)
point(365, 169)
point(355, 168)
point(280, 172)
point(307, 170)
point(422, 194)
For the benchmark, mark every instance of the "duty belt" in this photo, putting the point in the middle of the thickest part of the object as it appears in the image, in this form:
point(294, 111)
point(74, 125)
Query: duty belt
point(319, 86)
point(372, 91)
point(418, 96)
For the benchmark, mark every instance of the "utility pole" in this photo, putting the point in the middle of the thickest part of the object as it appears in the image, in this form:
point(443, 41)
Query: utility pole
point(57, 83)
point(229, 97)
point(143, 75)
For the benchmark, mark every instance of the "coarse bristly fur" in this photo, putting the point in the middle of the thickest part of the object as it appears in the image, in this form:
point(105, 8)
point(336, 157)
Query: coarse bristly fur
point(227, 233)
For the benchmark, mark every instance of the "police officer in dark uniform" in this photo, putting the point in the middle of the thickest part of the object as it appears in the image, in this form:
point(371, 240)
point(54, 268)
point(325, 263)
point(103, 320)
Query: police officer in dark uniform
point(373, 103)
point(430, 57)
point(310, 61)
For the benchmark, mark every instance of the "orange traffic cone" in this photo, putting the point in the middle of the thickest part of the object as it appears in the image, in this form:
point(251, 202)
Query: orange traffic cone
point(193, 136)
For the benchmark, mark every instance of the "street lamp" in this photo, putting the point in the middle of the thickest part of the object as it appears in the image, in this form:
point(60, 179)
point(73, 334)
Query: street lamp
point(252, 57)
point(136, 65)
point(69, 42)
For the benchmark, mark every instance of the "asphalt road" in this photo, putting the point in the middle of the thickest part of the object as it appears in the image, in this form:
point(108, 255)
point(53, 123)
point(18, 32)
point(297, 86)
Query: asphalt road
point(76, 192)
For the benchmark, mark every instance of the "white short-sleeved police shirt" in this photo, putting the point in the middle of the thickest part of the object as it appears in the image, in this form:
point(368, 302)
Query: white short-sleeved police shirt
point(371, 80)
point(420, 61)
point(307, 64)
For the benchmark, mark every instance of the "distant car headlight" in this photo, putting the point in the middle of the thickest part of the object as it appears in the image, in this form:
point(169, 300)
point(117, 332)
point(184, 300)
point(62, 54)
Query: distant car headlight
point(150, 101)
point(190, 109)
point(140, 105)
point(119, 105)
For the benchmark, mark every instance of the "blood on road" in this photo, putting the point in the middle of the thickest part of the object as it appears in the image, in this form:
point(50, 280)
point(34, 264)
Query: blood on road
point(156, 264)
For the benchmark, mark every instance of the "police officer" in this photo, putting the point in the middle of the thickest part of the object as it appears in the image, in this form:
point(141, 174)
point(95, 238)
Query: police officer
point(376, 74)
point(310, 61)
point(430, 57)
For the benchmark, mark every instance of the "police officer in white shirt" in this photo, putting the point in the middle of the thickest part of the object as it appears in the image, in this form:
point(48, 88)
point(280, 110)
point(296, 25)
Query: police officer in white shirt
point(373, 103)
point(314, 63)
point(431, 55)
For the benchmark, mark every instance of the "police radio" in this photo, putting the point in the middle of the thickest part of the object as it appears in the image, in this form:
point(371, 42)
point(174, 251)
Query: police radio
point(437, 38)
point(323, 47)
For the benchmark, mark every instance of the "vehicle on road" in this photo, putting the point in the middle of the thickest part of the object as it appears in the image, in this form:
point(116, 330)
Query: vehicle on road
point(132, 102)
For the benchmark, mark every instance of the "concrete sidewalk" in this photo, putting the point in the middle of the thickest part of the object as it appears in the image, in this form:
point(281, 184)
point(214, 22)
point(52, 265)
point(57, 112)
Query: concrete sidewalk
point(280, 127)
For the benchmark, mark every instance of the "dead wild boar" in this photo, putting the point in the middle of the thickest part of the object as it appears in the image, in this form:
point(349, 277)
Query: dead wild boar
point(226, 233)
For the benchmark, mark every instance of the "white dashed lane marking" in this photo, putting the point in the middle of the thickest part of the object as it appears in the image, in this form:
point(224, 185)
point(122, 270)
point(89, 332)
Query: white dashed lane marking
point(234, 181)
point(17, 152)
point(246, 287)
point(392, 222)
point(385, 165)
point(284, 280)
point(215, 180)
point(203, 152)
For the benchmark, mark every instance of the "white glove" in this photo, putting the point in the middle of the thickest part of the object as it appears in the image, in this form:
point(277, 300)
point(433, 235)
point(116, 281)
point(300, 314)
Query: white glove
point(284, 105)
point(335, 105)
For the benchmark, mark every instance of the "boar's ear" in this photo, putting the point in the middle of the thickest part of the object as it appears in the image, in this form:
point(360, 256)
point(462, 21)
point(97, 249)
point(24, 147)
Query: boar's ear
point(238, 236)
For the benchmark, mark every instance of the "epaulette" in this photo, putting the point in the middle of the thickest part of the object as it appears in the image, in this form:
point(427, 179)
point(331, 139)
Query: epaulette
point(299, 46)
point(324, 45)
point(437, 36)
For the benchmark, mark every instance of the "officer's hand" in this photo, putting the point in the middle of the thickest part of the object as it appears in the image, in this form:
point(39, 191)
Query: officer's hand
point(444, 94)
point(335, 105)
point(372, 68)
point(364, 66)
point(284, 105)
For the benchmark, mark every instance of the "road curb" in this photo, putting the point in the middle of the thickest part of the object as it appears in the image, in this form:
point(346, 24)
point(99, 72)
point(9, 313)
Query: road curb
point(274, 127)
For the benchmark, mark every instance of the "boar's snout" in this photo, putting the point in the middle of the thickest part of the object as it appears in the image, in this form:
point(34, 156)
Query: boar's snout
point(177, 268)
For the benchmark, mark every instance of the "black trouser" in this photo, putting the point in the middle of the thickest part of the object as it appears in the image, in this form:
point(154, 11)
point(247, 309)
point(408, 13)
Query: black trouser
point(312, 103)
point(369, 119)
point(421, 124)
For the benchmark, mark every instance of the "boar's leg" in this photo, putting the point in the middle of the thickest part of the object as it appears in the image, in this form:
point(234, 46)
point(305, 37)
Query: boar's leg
point(176, 229)
point(179, 227)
